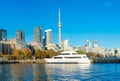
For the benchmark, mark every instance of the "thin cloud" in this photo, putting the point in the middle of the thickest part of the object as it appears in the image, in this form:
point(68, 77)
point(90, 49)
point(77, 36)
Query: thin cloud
point(108, 4)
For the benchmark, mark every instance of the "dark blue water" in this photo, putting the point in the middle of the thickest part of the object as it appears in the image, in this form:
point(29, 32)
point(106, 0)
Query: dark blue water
point(62, 72)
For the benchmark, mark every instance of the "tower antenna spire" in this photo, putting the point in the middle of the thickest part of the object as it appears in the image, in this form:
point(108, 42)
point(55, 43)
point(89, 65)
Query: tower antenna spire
point(59, 21)
point(59, 29)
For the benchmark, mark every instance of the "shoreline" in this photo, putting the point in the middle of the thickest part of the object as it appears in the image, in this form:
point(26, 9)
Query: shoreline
point(42, 61)
point(106, 60)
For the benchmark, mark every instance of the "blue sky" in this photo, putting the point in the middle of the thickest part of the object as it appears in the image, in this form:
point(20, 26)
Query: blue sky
point(81, 19)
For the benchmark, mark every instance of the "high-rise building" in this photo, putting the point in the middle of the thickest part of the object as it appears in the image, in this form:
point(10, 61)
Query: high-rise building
point(95, 44)
point(20, 40)
point(66, 44)
point(20, 35)
point(3, 34)
point(88, 44)
point(59, 30)
point(48, 36)
point(38, 34)
point(38, 41)
point(44, 42)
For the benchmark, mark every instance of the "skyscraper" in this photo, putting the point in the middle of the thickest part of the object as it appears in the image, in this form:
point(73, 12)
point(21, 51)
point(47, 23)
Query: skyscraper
point(20, 35)
point(38, 41)
point(44, 42)
point(48, 36)
point(3, 34)
point(59, 29)
point(66, 44)
point(20, 39)
point(95, 44)
point(38, 34)
point(88, 44)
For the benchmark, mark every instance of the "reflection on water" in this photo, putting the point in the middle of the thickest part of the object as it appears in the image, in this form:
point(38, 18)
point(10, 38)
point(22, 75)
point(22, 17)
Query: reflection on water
point(64, 72)
point(22, 72)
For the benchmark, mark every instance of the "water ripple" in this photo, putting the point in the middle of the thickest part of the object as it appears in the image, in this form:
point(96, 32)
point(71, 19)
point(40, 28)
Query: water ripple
point(59, 72)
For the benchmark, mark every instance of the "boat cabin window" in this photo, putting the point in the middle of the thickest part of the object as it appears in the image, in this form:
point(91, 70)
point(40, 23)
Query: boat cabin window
point(65, 54)
point(74, 54)
point(84, 57)
point(73, 57)
point(57, 57)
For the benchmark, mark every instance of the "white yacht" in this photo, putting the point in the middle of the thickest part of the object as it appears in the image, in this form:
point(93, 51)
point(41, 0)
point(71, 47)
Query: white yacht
point(68, 57)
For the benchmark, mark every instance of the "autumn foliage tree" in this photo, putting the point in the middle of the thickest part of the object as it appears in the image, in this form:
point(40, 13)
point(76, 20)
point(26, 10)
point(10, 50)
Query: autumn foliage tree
point(27, 53)
point(17, 54)
point(91, 55)
point(51, 53)
point(80, 52)
point(45, 53)
point(38, 53)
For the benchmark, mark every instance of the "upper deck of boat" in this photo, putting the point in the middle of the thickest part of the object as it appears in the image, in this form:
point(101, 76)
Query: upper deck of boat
point(70, 53)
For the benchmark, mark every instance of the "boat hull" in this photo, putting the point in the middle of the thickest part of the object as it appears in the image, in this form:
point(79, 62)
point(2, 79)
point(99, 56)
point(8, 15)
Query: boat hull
point(67, 61)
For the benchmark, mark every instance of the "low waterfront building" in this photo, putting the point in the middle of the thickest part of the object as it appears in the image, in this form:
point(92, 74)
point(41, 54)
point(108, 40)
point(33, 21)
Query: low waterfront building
point(53, 47)
point(21, 45)
point(81, 48)
point(12, 43)
point(36, 45)
point(5, 48)
point(117, 52)
point(98, 50)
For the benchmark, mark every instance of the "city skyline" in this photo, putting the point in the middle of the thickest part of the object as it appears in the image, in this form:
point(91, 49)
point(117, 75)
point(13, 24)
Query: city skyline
point(81, 20)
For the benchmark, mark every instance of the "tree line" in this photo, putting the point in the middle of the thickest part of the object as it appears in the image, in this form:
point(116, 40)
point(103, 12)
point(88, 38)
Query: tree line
point(41, 54)
point(28, 54)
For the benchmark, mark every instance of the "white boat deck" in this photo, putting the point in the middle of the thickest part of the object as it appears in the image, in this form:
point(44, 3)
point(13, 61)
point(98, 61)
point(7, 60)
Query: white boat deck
point(68, 57)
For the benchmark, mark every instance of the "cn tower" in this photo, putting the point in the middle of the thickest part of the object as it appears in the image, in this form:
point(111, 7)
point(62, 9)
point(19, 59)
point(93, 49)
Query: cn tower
point(59, 29)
